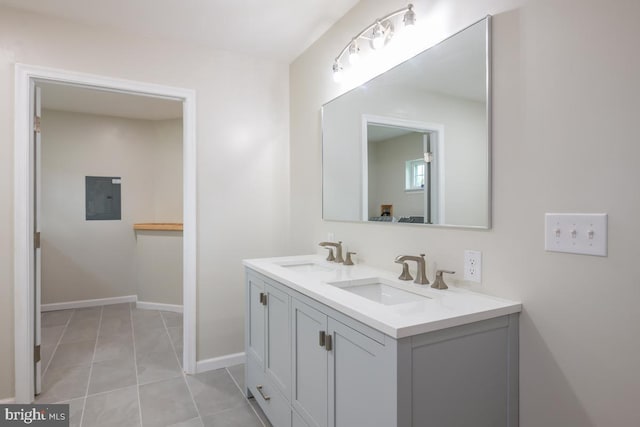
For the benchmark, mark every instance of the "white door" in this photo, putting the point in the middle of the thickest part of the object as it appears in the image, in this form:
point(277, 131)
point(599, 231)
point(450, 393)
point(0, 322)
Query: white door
point(36, 227)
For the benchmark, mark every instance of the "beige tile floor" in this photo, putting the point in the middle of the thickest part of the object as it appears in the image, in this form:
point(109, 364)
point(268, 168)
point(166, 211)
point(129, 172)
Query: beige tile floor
point(120, 366)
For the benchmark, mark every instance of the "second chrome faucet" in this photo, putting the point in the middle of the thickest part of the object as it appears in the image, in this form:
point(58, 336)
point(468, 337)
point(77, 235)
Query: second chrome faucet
point(421, 275)
point(338, 246)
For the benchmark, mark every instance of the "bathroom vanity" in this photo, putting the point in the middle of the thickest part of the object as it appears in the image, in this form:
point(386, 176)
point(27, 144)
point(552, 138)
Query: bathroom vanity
point(334, 345)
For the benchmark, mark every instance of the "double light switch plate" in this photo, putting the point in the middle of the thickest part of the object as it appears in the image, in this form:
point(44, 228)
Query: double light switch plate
point(584, 234)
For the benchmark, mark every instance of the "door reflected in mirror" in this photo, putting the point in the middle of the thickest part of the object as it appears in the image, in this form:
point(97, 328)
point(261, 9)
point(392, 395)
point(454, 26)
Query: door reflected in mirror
point(411, 146)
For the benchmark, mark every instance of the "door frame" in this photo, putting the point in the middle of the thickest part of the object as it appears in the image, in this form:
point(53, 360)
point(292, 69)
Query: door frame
point(24, 298)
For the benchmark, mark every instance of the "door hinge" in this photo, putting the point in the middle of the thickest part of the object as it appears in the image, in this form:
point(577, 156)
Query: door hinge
point(36, 124)
point(36, 240)
point(36, 354)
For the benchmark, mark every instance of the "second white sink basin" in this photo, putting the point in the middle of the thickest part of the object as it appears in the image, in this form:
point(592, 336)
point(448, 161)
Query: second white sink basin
point(305, 267)
point(379, 290)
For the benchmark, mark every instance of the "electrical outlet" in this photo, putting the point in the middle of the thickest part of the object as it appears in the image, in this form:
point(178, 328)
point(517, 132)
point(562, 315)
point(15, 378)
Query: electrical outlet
point(473, 266)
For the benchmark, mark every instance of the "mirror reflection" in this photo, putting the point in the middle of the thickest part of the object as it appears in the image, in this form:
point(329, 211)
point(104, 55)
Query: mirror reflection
point(411, 146)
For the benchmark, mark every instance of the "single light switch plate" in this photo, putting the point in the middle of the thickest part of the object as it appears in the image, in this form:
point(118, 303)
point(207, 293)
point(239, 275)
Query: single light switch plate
point(584, 234)
point(473, 266)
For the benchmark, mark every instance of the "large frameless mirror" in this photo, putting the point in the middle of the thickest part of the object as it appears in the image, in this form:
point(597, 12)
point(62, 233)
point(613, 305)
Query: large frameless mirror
point(412, 146)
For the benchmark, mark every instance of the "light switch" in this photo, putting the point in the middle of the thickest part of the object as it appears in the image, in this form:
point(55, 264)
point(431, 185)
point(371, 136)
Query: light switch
point(576, 233)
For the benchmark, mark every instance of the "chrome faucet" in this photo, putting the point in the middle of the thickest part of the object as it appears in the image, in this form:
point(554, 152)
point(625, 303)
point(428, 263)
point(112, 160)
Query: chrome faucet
point(421, 276)
point(338, 247)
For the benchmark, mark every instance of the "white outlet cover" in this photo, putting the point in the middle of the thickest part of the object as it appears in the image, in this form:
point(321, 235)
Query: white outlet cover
point(584, 234)
point(473, 266)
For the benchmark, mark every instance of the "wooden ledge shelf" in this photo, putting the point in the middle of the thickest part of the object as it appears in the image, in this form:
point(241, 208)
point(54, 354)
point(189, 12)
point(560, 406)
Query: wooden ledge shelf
point(165, 226)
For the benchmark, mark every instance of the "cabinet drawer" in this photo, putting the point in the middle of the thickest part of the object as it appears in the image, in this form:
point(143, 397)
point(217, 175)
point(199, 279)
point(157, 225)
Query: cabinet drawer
point(274, 405)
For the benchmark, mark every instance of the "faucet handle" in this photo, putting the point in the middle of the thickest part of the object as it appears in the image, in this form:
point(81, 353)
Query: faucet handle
point(349, 261)
point(439, 282)
point(330, 257)
point(405, 272)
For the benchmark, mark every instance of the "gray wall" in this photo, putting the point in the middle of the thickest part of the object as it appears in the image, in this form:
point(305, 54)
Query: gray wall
point(99, 259)
point(387, 161)
point(565, 140)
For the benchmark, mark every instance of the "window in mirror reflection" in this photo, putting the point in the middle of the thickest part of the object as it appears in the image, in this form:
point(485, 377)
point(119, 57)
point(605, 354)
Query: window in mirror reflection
point(414, 172)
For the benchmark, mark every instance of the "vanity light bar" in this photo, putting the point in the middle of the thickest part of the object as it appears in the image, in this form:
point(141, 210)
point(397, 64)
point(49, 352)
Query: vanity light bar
point(378, 34)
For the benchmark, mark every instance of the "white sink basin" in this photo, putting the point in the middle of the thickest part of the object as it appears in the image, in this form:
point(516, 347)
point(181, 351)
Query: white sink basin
point(305, 266)
point(379, 290)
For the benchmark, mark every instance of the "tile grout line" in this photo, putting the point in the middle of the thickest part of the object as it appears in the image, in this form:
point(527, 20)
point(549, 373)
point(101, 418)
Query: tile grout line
point(93, 356)
point(184, 375)
point(226, 368)
point(135, 362)
point(66, 325)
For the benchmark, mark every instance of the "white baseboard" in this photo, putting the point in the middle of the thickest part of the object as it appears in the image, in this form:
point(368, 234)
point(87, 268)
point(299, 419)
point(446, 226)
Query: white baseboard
point(88, 303)
point(8, 401)
point(220, 362)
point(143, 305)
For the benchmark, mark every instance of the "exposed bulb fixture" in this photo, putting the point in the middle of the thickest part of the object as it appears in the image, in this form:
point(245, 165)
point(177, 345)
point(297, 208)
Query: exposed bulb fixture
point(377, 34)
point(354, 53)
point(337, 72)
point(409, 19)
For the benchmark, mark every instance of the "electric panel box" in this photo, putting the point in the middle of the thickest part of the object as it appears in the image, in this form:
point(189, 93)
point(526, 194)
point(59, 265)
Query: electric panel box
point(103, 198)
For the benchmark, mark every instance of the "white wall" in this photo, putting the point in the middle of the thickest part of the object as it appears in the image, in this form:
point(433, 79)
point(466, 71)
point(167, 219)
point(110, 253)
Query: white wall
point(158, 263)
point(99, 259)
point(565, 103)
point(242, 120)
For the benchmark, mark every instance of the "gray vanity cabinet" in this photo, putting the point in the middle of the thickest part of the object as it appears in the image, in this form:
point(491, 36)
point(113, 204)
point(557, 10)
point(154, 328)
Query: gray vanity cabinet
point(361, 384)
point(321, 368)
point(310, 364)
point(268, 343)
point(338, 371)
point(255, 337)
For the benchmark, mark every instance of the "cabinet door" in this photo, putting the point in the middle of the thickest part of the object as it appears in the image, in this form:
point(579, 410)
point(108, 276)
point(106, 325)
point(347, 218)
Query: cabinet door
point(278, 343)
point(255, 322)
point(309, 394)
point(362, 389)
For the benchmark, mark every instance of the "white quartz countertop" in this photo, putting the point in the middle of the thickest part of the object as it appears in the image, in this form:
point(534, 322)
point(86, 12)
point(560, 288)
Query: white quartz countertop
point(311, 275)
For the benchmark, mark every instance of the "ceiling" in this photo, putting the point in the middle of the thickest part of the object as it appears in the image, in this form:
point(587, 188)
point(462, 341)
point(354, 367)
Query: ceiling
point(76, 99)
point(273, 29)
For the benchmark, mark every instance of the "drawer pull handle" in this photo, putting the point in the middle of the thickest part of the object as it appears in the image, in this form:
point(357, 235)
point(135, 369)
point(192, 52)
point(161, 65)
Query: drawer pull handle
point(264, 396)
point(322, 338)
point(328, 344)
point(263, 298)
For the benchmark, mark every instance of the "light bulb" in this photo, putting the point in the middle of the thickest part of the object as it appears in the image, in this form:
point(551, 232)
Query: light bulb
point(409, 18)
point(379, 36)
point(337, 72)
point(354, 56)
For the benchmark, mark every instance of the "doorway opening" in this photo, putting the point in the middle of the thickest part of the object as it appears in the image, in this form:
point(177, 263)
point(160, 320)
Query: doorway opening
point(26, 238)
point(402, 170)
